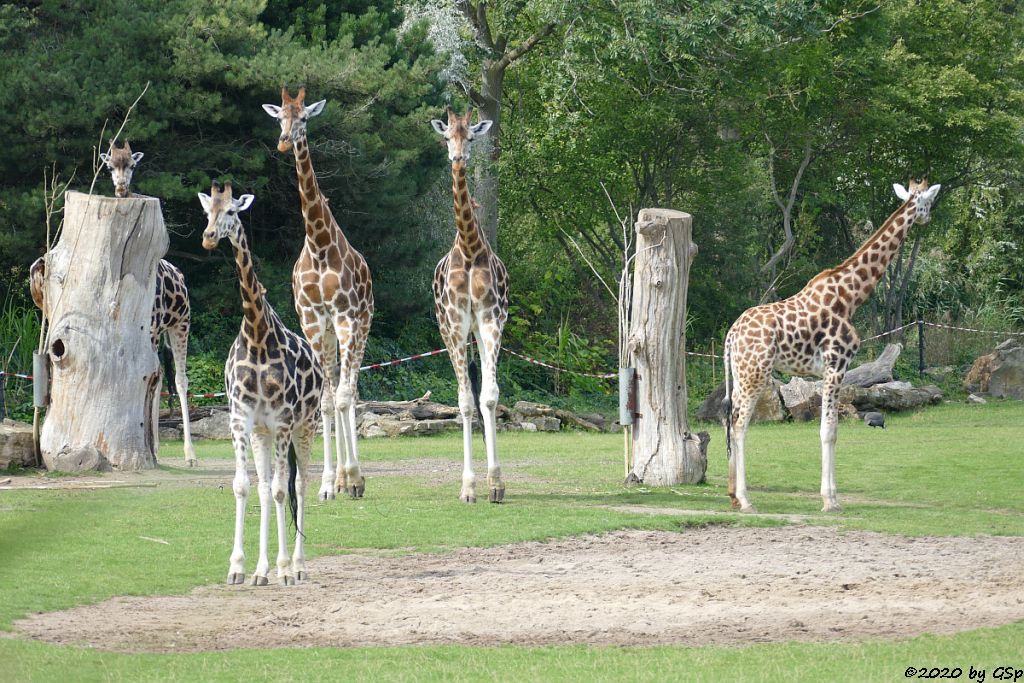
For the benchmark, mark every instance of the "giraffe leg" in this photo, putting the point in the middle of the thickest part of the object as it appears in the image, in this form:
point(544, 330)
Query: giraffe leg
point(262, 446)
point(829, 428)
point(178, 338)
point(489, 343)
point(350, 346)
point(303, 448)
point(279, 491)
point(746, 389)
point(239, 429)
point(328, 354)
point(456, 344)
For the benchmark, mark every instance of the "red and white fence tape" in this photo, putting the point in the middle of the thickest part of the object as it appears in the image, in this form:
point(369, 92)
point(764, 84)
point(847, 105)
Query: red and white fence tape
point(608, 375)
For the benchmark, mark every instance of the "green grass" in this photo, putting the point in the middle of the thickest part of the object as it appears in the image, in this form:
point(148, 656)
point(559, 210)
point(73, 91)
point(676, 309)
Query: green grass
point(952, 470)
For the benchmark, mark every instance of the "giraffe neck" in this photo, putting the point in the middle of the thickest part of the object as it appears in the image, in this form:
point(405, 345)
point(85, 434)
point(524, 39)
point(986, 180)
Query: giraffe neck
point(321, 228)
point(254, 304)
point(861, 272)
point(470, 238)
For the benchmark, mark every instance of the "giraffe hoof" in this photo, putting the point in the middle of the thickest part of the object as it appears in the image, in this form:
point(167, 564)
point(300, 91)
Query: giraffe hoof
point(192, 463)
point(832, 507)
point(287, 580)
point(326, 493)
point(259, 580)
point(467, 499)
point(357, 491)
point(236, 578)
point(497, 495)
point(748, 510)
point(302, 575)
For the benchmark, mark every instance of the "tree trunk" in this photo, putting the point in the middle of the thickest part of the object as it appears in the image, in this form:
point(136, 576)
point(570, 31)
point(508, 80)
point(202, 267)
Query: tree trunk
point(665, 452)
point(100, 279)
point(877, 371)
point(487, 180)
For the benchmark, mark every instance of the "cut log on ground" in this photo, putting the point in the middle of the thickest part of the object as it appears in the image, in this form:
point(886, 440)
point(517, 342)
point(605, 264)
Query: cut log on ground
point(99, 284)
point(665, 452)
point(878, 371)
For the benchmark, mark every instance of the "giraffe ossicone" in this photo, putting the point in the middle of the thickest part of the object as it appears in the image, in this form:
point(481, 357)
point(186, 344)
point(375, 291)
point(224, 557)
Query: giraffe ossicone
point(273, 382)
point(333, 294)
point(471, 297)
point(810, 333)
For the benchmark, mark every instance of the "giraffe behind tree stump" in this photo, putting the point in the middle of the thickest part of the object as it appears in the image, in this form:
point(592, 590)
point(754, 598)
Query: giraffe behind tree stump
point(172, 315)
point(810, 333)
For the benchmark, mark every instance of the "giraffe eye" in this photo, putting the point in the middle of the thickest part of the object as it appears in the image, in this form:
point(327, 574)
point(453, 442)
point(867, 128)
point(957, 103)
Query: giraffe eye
point(231, 212)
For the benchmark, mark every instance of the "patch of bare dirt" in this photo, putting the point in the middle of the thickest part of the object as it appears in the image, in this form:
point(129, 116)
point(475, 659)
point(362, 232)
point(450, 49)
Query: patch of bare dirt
point(700, 586)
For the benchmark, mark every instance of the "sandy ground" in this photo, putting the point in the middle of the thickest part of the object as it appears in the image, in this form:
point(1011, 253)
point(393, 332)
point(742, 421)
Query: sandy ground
point(712, 585)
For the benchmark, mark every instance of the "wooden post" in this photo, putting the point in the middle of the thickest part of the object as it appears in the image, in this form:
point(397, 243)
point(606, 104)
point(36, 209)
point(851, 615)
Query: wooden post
point(664, 450)
point(100, 279)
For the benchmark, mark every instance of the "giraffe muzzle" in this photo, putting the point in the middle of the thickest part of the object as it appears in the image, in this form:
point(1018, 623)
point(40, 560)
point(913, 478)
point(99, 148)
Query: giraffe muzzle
point(209, 240)
point(284, 143)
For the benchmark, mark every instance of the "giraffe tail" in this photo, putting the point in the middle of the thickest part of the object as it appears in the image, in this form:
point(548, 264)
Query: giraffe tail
point(474, 384)
point(293, 498)
point(727, 402)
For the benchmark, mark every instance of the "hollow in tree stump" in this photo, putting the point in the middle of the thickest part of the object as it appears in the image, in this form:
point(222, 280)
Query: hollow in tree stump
point(98, 289)
point(664, 451)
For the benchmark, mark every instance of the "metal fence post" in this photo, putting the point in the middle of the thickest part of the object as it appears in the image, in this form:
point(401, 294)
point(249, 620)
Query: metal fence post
point(920, 347)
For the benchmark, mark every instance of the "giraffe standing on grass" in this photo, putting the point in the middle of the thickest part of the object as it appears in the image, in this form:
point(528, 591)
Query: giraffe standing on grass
point(273, 382)
point(333, 298)
point(471, 296)
point(811, 333)
point(171, 313)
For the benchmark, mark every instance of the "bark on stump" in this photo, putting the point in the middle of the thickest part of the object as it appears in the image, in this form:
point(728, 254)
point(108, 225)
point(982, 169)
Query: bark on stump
point(664, 450)
point(105, 377)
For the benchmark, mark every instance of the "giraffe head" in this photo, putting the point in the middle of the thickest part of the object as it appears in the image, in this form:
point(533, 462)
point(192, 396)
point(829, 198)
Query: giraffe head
point(222, 215)
point(922, 195)
point(293, 115)
point(121, 164)
point(459, 133)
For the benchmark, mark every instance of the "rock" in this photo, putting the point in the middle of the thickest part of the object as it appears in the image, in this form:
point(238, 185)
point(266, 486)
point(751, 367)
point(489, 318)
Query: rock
point(16, 448)
point(170, 433)
point(217, 426)
point(979, 376)
point(877, 371)
point(802, 399)
point(767, 409)
point(80, 459)
point(975, 399)
point(527, 409)
point(544, 423)
point(596, 419)
point(528, 426)
point(1007, 379)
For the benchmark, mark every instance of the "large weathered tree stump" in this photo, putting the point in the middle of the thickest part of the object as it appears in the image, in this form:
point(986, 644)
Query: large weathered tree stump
point(105, 377)
point(664, 450)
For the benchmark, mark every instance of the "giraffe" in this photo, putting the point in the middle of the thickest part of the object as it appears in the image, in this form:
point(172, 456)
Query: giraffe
point(811, 333)
point(471, 296)
point(333, 294)
point(171, 312)
point(273, 382)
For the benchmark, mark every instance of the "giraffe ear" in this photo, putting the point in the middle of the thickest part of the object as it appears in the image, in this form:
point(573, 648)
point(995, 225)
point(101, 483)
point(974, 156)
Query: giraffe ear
point(315, 108)
point(137, 156)
point(272, 109)
point(482, 127)
point(244, 202)
point(439, 126)
point(206, 200)
point(900, 191)
point(930, 194)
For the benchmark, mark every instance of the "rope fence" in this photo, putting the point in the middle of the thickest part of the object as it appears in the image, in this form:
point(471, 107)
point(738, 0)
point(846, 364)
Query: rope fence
point(609, 375)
